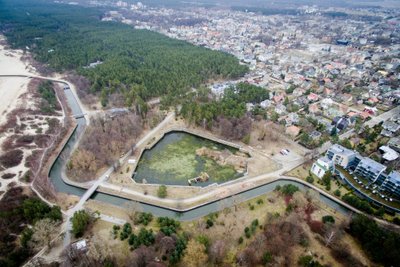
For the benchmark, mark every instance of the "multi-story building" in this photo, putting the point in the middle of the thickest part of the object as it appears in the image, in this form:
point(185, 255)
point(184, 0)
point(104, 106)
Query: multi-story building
point(322, 166)
point(341, 156)
point(369, 169)
point(392, 183)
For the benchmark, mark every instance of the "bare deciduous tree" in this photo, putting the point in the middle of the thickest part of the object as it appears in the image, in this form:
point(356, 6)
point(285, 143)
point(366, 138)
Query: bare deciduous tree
point(44, 232)
point(195, 255)
point(217, 252)
point(132, 208)
point(332, 233)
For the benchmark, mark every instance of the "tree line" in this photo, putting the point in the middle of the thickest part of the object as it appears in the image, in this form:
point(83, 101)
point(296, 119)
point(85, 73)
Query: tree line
point(137, 64)
point(227, 114)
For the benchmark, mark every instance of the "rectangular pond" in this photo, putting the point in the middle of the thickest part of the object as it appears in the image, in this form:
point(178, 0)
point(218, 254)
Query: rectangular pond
point(181, 156)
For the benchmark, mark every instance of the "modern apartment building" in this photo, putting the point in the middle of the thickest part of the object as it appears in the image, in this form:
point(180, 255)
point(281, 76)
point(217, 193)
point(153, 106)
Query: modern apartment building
point(392, 183)
point(369, 169)
point(341, 156)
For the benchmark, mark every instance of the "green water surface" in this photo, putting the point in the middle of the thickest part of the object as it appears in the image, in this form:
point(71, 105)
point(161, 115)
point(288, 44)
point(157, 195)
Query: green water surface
point(173, 161)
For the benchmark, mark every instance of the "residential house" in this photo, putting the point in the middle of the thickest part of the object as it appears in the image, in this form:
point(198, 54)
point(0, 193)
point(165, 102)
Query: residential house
point(364, 115)
point(280, 109)
point(292, 118)
point(372, 101)
point(390, 128)
point(329, 92)
point(266, 103)
point(313, 109)
point(278, 98)
point(394, 143)
point(293, 131)
point(249, 106)
point(388, 153)
point(341, 123)
point(313, 97)
point(315, 135)
point(355, 141)
point(370, 110)
point(326, 103)
point(298, 92)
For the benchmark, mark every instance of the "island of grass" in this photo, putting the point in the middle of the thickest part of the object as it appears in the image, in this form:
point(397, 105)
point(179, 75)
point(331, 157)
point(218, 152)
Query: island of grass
point(179, 158)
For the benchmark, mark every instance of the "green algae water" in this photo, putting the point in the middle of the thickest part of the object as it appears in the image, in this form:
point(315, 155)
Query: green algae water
point(173, 160)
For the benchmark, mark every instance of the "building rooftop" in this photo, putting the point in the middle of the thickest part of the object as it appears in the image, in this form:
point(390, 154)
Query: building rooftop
point(389, 154)
point(338, 149)
point(394, 177)
point(371, 165)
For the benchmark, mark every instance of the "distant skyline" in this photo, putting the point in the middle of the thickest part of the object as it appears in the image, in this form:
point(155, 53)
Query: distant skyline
point(280, 3)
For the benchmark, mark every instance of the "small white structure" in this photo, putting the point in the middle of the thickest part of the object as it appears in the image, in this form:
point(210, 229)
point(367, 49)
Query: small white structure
point(131, 161)
point(389, 154)
point(322, 166)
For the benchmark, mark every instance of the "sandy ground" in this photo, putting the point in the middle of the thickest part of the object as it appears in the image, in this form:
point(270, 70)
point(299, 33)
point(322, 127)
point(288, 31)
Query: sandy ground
point(11, 88)
point(13, 95)
point(10, 61)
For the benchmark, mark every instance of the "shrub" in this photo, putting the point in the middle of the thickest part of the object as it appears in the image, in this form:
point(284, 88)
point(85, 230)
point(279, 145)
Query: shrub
point(80, 221)
point(26, 236)
point(328, 219)
point(289, 189)
point(260, 201)
point(247, 234)
point(240, 240)
point(310, 179)
point(35, 209)
point(354, 201)
point(143, 218)
point(11, 158)
point(328, 187)
point(380, 212)
point(316, 227)
point(308, 261)
point(167, 225)
point(289, 208)
point(8, 176)
point(266, 258)
point(203, 239)
point(126, 231)
point(209, 223)
point(162, 191)
point(337, 193)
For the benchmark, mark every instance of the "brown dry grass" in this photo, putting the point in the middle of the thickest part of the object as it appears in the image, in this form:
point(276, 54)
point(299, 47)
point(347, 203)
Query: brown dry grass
point(230, 224)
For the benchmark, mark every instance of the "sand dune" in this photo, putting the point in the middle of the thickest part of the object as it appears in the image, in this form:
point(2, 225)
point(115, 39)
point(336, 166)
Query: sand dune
point(11, 88)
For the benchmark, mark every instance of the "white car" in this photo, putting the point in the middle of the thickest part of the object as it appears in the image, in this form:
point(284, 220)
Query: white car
point(284, 152)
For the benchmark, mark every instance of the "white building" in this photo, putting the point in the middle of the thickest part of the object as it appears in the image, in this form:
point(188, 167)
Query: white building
point(341, 156)
point(322, 166)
